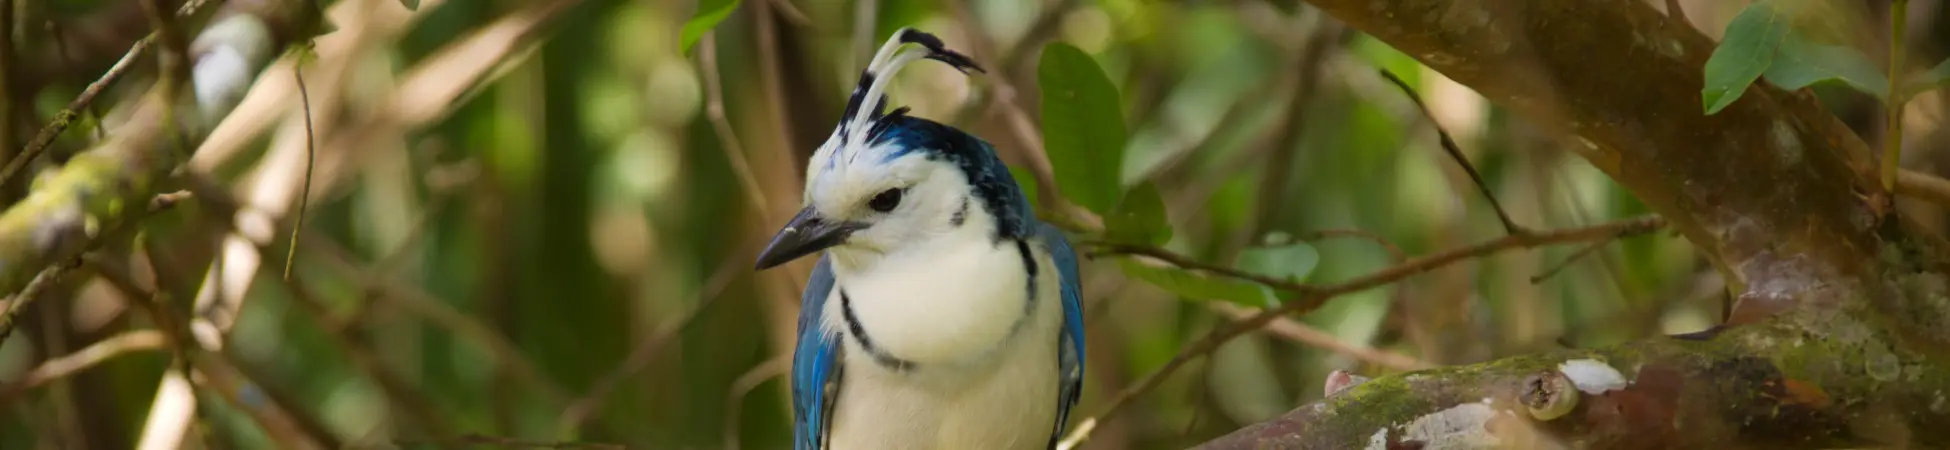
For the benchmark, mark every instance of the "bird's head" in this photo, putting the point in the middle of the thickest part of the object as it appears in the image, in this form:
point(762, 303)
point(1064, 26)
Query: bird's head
point(885, 181)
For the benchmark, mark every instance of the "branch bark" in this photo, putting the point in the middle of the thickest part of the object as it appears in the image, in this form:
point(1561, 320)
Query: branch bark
point(1839, 332)
point(112, 182)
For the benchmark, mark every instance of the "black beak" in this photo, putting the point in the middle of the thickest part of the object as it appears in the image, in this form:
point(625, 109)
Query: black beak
point(805, 234)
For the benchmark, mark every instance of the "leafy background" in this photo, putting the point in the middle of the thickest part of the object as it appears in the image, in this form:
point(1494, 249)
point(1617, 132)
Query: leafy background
point(596, 200)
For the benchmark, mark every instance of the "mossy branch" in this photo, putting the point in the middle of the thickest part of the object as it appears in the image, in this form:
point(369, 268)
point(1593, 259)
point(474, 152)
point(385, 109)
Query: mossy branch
point(68, 208)
point(1767, 385)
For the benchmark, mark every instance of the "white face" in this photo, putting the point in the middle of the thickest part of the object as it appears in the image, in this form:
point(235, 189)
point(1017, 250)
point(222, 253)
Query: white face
point(907, 200)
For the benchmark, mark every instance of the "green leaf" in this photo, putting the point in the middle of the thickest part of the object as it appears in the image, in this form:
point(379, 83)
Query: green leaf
point(1745, 52)
point(1800, 63)
point(1291, 262)
point(1198, 285)
point(1933, 79)
point(1083, 127)
point(709, 14)
point(411, 5)
point(1139, 219)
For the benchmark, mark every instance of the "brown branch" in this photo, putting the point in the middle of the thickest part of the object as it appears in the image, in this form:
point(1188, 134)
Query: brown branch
point(1312, 297)
point(86, 358)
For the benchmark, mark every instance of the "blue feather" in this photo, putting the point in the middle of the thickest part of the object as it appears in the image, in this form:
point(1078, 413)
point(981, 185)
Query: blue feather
point(976, 158)
point(1070, 355)
point(815, 362)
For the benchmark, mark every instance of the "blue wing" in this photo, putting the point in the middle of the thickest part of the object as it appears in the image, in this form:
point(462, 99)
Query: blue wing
point(1070, 353)
point(815, 368)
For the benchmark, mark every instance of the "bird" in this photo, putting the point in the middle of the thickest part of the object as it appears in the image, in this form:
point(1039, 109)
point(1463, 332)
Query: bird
point(941, 313)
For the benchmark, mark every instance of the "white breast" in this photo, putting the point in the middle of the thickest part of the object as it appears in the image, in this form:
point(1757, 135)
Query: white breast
point(1002, 400)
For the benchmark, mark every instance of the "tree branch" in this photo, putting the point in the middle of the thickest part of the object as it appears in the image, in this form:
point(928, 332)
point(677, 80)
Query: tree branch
point(1840, 297)
point(1311, 297)
point(69, 208)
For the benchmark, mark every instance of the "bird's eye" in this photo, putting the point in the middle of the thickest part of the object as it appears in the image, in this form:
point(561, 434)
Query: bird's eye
point(886, 200)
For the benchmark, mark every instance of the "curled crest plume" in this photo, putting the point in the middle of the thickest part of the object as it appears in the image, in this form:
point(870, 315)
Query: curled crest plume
point(866, 108)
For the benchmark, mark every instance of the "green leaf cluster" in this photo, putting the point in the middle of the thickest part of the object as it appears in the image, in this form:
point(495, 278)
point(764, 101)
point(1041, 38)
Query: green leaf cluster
point(1769, 39)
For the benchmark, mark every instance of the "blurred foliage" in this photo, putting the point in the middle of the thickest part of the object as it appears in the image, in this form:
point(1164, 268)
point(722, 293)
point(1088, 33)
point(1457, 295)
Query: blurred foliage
point(583, 205)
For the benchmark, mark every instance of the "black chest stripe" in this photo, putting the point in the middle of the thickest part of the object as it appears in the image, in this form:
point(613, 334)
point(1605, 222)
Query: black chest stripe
point(859, 334)
point(884, 359)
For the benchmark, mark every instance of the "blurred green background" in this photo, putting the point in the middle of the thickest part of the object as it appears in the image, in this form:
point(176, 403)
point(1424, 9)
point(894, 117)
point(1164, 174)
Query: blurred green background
point(525, 223)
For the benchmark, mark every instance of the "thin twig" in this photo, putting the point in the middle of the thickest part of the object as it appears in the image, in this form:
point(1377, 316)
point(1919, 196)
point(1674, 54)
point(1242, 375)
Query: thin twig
point(311, 162)
point(81, 103)
point(31, 292)
point(1296, 331)
point(1455, 152)
point(1587, 250)
point(60, 39)
point(1187, 262)
point(707, 55)
point(1393, 250)
point(1313, 296)
point(93, 355)
point(735, 400)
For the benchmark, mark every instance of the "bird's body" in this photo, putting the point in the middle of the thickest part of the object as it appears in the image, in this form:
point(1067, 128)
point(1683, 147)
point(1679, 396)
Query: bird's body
point(941, 315)
point(983, 354)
